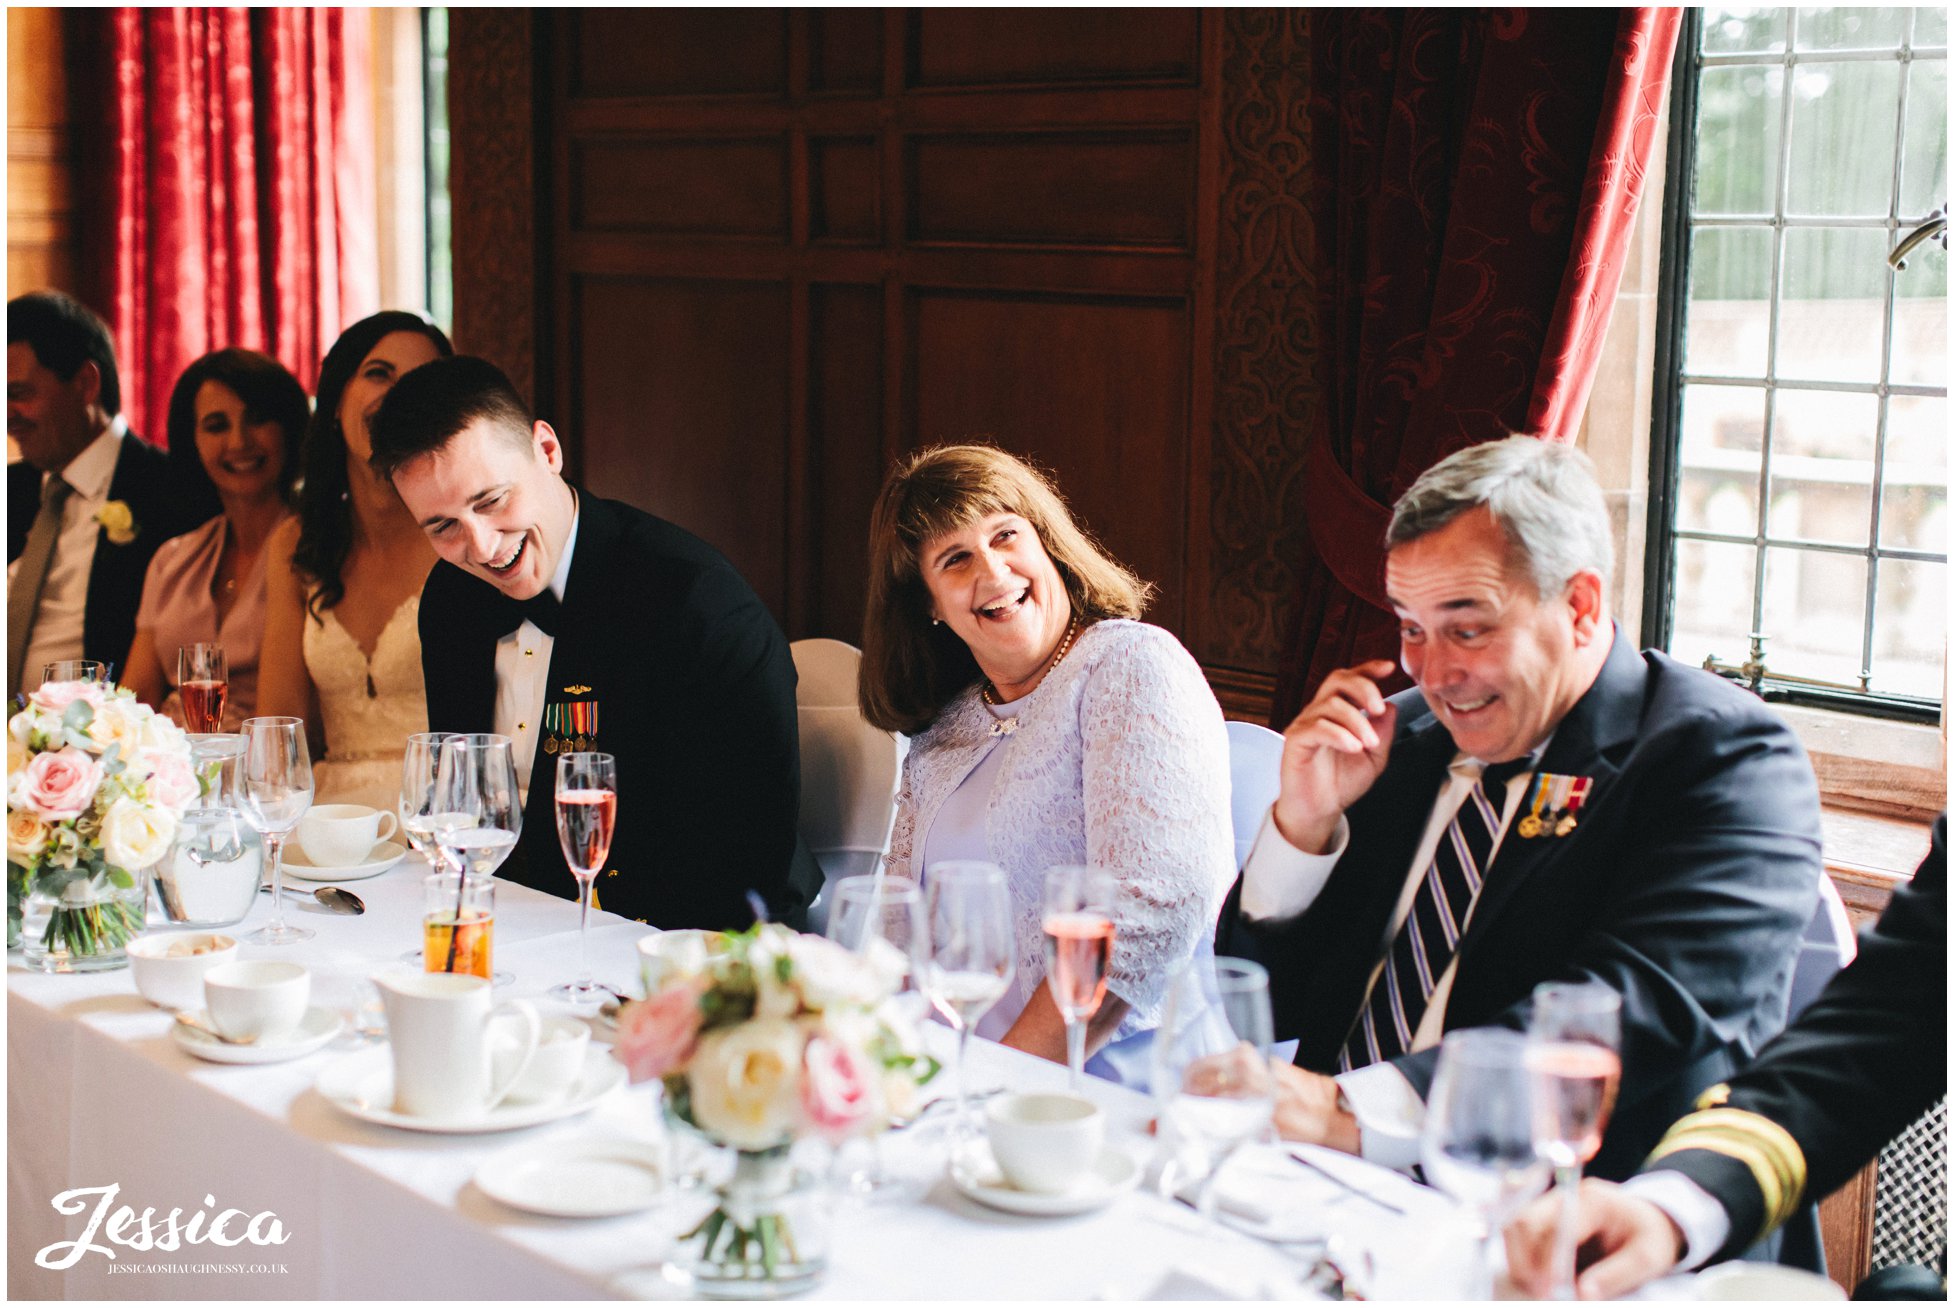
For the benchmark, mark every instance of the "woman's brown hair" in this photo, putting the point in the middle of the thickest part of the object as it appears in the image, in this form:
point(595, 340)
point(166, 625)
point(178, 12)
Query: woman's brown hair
point(912, 668)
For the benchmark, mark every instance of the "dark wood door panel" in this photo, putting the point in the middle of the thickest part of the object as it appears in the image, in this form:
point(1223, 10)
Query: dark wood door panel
point(845, 452)
point(727, 187)
point(1096, 390)
point(682, 410)
point(627, 51)
point(1059, 188)
point(978, 47)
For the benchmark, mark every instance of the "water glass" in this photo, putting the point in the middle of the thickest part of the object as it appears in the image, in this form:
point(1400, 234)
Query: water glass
point(1212, 1081)
point(973, 954)
point(75, 670)
point(884, 919)
point(1480, 1142)
point(274, 790)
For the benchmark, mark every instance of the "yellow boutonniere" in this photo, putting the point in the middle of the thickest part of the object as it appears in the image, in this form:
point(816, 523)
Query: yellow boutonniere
point(117, 521)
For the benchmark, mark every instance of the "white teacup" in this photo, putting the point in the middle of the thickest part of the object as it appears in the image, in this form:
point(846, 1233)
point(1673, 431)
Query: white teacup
point(1760, 1281)
point(554, 1069)
point(258, 1000)
point(340, 835)
point(665, 954)
point(438, 1025)
point(1045, 1143)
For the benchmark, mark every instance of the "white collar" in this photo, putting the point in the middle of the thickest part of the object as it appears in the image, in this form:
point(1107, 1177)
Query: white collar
point(90, 472)
point(561, 581)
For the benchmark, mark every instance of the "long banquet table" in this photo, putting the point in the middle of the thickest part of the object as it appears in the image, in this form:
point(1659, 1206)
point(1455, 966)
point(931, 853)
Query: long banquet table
point(99, 1094)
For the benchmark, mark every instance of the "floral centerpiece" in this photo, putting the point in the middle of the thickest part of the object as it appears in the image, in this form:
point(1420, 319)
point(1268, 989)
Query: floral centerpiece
point(96, 783)
point(769, 1037)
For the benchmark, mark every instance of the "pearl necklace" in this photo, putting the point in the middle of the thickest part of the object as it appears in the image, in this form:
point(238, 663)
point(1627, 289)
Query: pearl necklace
point(989, 691)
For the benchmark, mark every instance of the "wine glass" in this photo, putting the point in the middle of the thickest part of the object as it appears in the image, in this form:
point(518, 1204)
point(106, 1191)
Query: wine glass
point(203, 679)
point(75, 670)
point(274, 788)
point(1078, 923)
point(475, 789)
point(1480, 1141)
point(421, 820)
point(1575, 1053)
point(1213, 1085)
point(586, 814)
point(884, 919)
point(972, 954)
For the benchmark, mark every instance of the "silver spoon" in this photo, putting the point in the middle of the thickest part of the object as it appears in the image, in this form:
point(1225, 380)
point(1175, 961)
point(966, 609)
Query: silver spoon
point(213, 1032)
point(339, 901)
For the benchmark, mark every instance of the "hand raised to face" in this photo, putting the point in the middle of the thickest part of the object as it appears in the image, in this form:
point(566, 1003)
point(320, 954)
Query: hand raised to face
point(1333, 752)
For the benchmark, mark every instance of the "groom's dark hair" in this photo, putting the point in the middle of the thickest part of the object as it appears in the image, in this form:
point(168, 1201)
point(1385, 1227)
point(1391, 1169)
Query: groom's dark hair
point(436, 402)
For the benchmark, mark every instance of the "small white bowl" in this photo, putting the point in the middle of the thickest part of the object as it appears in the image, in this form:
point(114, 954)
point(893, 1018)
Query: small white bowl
point(176, 981)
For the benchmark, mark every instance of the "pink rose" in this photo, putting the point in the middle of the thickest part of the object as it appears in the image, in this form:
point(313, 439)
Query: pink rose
point(838, 1093)
point(61, 783)
point(56, 696)
point(172, 782)
point(656, 1036)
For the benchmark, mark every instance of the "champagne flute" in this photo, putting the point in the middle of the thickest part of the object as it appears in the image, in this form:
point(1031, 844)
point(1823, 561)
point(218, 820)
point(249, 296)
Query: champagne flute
point(1480, 1142)
point(972, 954)
point(1078, 951)
point(1574, 1050)
point(1214, 1086)
point(586, 815)
point(203, 679)
point(475, 784)
point(883, 919)
point(274, 786)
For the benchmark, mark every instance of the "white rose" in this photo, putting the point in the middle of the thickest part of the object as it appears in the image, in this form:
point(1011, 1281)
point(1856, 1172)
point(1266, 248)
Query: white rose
point(27, 836)
point(746, 1083)
point(117, 722)
point(136, 835)
point(829, 975)
point(159, 733)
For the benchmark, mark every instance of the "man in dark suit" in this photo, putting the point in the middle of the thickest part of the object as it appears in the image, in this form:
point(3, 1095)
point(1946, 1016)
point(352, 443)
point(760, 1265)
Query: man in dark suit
point(573, 623)
point(90, 502)
point(1547, 805)
point(1865, 1059)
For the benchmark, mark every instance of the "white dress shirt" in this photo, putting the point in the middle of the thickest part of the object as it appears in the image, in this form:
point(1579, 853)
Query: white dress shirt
point(1280, 882)
point(64, 595)
point(1704, 1222)
point(522, 674)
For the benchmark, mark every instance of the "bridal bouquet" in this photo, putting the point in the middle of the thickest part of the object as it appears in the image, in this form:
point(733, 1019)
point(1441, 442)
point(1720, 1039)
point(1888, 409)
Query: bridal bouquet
point(767, 1037)
point(96, 783)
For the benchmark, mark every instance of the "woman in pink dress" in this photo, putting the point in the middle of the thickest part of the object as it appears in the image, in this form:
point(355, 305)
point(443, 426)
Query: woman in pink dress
point(236, 421)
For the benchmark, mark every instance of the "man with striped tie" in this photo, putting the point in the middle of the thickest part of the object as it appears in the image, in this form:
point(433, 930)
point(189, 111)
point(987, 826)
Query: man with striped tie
point(1546, 805)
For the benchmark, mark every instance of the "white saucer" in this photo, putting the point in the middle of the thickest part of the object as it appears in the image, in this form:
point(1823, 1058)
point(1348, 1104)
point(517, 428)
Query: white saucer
point(977, 1176)
point(378, 859)
point(578, 1178)
point(318, 1026)
point(362, 1085)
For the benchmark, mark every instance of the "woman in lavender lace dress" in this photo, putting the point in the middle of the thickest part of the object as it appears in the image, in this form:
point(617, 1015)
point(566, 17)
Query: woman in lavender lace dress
point(1049, 727)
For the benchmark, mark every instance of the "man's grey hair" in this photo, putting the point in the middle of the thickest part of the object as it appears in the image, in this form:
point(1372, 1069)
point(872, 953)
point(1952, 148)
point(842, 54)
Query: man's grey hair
point(1543, 495)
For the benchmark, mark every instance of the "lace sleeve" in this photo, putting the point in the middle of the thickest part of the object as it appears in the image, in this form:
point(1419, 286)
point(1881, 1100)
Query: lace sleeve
point(1156, 807)
point(903, 835)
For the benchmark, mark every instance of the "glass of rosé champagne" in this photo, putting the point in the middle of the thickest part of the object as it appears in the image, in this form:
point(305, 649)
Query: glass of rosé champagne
point(1078, 922)
point(1574, 1055)
point(586, 815)
point(203, 680)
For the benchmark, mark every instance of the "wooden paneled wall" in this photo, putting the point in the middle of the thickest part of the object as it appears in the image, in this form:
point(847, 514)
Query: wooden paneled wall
point(43, 247)
point(769, 252)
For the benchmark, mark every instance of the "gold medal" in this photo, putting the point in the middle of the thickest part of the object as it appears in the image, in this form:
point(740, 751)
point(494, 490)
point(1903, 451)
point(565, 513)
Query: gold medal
point(1564, 826)
point(583, 742)
point(1529, 827)
point(549, 746)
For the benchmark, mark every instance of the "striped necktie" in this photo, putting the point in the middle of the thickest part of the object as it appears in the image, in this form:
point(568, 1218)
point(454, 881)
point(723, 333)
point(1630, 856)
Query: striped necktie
point(1430, 934)
point(30, 575)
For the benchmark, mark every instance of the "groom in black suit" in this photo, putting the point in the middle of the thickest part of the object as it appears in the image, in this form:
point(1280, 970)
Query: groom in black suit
point(570, 622)
point(1547, 805)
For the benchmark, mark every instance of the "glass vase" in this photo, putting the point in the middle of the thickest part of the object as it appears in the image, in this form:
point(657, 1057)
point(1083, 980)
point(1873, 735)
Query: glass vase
point(767, 1238)
point(84, 925)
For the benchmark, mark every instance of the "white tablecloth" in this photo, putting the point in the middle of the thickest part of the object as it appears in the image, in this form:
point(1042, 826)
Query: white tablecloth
point(99, 1094)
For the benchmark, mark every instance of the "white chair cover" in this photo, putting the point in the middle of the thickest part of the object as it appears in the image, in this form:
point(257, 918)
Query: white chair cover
point(1255, 773)
point(849, 769)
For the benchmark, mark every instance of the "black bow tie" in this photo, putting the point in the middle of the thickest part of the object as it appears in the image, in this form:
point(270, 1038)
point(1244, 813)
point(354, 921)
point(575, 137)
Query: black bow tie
point(543, 609)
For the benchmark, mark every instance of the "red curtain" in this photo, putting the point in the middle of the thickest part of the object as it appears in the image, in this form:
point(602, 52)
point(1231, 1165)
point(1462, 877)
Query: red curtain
point(1476, 179)
point(241, 180)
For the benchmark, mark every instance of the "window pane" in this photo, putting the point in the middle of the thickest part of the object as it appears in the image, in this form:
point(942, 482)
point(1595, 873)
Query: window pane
point(1910, 628)
point(1713, 596)
point(1920, 318)
point(1728, 323)
point(1814, 613)
point(1722, 441)
point(1851, 29)
point(1737, 140)
point(1822, 466)
point(1930, 27)
point(1923, 165)
point(1742, 31)
point(1913, 504)
point(1844, 121)
point(1831, 317)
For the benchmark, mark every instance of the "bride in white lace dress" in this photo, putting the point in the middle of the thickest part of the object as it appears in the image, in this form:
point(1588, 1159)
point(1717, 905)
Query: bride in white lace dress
point(342, 641)
point(1048, 728)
